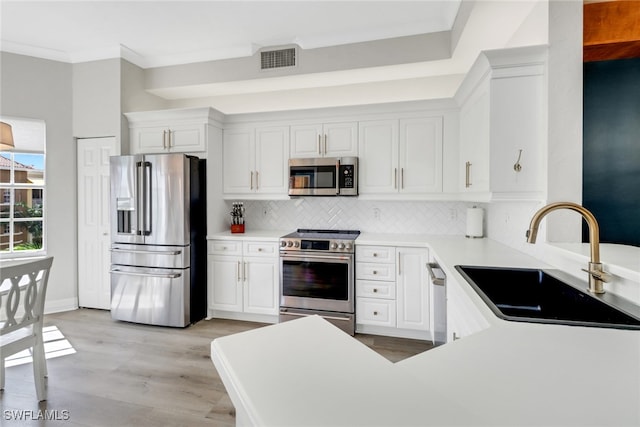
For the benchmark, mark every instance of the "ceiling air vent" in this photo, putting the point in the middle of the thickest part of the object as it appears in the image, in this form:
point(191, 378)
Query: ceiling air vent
point(278, 58)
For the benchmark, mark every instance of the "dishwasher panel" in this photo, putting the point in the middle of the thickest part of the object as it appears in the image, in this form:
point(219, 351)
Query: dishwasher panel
point(438, 281)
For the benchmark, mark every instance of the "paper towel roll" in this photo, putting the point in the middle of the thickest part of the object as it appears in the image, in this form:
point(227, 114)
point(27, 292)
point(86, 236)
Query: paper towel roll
point(475, 217)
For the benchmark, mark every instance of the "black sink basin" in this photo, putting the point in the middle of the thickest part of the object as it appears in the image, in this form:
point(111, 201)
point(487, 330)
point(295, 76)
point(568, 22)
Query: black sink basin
point(534, 295)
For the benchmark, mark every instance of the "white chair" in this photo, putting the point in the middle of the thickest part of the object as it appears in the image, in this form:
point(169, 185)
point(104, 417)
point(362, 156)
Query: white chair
point(23, 288)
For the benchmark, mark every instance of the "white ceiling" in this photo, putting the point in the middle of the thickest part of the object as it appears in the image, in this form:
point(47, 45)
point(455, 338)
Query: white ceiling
point(155, 34)
point(160, 33)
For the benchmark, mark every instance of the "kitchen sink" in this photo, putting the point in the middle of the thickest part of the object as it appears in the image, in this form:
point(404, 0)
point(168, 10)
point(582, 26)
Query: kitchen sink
point(540, 296)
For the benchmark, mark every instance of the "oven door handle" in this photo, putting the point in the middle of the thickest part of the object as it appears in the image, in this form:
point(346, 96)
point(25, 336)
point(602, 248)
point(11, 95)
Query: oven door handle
point(291, 257)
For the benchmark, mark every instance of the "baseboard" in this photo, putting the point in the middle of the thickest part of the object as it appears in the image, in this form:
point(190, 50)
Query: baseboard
point(247, 317)
point(56, 306)
point(393, 332)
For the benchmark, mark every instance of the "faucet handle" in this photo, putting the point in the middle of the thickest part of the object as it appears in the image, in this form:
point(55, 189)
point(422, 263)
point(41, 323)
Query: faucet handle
point(599, 274)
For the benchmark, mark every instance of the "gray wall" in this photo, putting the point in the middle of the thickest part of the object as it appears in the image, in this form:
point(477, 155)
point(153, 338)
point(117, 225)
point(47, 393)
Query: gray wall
point(96, 99)
point(42, 89)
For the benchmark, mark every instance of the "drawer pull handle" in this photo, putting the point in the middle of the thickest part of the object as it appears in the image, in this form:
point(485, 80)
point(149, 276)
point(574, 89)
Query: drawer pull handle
point(375, 313)
point(375, 272)
point(375, 290)
point(375, 254)
point(259, 249)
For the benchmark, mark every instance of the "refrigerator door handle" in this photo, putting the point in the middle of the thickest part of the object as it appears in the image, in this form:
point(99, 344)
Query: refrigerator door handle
point(140, 251)
point(139, 192)
point(143, 203)
point(147, 199)
point(133, 273)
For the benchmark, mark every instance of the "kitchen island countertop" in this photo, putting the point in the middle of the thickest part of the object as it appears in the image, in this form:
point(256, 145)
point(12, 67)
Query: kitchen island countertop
point(309, 373)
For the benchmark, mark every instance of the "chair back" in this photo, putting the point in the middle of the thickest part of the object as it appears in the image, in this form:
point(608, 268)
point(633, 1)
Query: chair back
point(22, 293)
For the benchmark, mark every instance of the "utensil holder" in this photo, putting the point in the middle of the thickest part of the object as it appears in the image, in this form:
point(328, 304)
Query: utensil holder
point(237, 228)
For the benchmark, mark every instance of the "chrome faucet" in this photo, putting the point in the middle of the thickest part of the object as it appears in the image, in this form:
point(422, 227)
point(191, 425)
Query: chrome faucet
point(596, 273)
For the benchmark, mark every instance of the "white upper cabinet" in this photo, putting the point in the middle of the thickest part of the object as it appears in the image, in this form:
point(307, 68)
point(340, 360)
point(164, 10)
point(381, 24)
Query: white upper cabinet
point(420, 159)
point(378, 162)
point(238, 152)
point(255, 161)
point(503, 129)
point(170, 131)
point(400, 156)
point(324, 140)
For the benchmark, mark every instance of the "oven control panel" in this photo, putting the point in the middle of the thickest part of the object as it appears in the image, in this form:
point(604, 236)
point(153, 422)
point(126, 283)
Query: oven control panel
point(319, 245)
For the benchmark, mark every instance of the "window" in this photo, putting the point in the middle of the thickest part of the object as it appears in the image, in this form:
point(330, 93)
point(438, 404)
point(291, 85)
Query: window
point(22, 185)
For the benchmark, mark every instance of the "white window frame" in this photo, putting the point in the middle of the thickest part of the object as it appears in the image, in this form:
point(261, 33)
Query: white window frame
point(13, 186)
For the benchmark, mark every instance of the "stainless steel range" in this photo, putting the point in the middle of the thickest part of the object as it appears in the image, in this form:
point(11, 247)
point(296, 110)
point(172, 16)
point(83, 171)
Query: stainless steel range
point(317, 276)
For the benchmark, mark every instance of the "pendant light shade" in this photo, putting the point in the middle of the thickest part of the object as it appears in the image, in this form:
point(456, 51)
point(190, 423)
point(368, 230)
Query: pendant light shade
point(6, 137)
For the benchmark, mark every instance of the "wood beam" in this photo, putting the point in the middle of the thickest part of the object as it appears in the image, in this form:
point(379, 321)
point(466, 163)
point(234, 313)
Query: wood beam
point(611, 30)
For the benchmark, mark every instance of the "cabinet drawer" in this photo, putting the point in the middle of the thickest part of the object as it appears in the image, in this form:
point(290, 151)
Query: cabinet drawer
point(224, 247)
point(371, 271)
point(381, 254)
point(270, 249)
point(376, 312)
point(376, 289)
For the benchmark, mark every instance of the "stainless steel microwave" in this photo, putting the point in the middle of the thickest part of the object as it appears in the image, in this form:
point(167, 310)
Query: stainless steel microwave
point(323, 176)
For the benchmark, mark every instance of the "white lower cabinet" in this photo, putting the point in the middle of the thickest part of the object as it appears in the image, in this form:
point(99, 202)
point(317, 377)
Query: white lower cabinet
point(412, 299)
point(392, 291)
point(243, 279)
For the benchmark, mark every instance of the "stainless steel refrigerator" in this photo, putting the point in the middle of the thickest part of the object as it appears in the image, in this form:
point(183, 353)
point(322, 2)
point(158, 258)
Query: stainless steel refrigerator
point(158, 239)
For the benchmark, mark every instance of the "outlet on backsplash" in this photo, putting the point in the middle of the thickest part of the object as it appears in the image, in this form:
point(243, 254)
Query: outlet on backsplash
point(376, 214)
point(453, 214)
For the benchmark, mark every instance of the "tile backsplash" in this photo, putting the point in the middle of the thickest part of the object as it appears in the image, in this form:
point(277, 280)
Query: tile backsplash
point(447, 218)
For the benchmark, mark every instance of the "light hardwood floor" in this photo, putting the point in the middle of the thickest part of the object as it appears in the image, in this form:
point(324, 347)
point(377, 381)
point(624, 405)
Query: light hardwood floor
point(124, 374)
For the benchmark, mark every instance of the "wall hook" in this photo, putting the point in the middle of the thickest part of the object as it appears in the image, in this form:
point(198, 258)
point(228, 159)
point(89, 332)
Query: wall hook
point(517, 166)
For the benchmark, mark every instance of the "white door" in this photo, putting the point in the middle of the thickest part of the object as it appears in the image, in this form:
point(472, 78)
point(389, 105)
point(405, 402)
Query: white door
point(94, 289)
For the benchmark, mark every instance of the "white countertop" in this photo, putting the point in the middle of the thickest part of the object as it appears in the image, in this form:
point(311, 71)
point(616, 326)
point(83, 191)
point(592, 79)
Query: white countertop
point(249, 235)
point(309, 373)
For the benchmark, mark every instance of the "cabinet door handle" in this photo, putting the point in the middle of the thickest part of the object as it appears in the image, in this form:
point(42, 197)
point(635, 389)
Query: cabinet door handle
point(251, 181)
point(238, 273)
point(325, 144)
point(319, 145)
point(467, 179)
point(401, 177)
point(395, 177)
point(169, 138)
point(164, 139)
point(257, 180)
point(244, 271)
